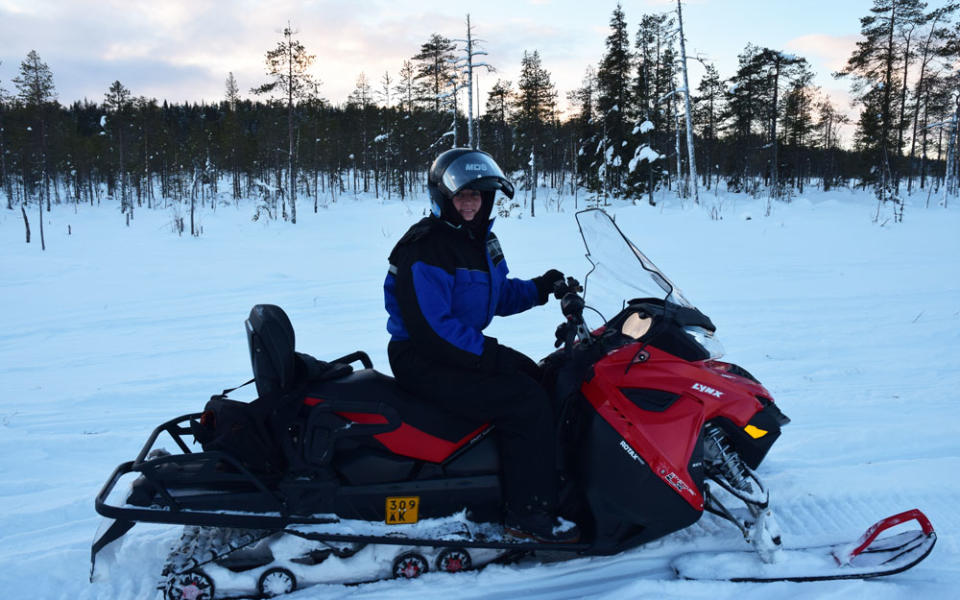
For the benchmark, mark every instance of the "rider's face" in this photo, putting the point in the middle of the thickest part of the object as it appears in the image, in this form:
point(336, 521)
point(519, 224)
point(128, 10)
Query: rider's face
point(467, 202)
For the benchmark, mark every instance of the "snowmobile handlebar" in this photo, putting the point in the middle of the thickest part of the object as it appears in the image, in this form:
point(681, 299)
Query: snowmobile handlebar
point(562, 288)
point(571, 305)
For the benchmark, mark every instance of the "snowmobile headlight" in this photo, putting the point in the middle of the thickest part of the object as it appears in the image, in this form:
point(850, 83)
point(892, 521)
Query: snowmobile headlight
point(706, 339)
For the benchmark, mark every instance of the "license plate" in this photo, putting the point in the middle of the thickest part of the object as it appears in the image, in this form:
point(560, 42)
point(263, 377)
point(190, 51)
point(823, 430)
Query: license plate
point(402, 509)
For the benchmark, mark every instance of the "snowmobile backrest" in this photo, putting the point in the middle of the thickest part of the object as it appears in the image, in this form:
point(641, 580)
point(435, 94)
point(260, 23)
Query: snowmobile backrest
point(277, 367)
point(272, 356)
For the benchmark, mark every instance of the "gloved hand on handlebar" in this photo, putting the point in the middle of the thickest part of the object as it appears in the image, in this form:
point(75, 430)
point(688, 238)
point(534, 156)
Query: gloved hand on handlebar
point(545, 284)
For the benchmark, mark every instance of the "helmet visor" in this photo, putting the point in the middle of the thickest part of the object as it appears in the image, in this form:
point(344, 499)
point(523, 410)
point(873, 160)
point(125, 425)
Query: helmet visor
point(475, 171)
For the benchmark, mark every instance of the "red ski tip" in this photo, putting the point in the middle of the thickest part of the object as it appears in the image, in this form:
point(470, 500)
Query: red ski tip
point(844, 554)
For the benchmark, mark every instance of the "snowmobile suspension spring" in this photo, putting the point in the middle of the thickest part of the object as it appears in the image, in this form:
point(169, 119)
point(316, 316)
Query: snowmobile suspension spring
point(725, 459)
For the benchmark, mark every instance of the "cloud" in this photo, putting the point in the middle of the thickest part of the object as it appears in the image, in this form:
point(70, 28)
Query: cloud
point(831, 51)
point(90, 43)
point(152, 79)
point(664, 5)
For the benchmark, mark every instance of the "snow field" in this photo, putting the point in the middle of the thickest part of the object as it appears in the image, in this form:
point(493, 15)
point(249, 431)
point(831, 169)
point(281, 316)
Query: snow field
point(852, 326)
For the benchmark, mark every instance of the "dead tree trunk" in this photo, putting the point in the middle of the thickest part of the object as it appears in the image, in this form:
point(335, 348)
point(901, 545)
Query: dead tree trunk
point(26, 222)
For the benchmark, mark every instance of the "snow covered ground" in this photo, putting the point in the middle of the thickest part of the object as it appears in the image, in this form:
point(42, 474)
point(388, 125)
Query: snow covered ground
point(854, 327)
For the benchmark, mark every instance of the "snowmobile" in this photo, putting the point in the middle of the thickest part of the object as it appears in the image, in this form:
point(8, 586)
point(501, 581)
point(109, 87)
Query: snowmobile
point(336, 475)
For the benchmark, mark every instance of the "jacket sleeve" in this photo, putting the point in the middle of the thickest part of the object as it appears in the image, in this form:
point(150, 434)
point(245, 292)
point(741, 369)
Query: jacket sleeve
point(516, 295)
point(424, 294)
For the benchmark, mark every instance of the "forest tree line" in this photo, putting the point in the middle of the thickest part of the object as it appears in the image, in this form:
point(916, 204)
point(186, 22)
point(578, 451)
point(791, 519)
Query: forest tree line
point(765, 129)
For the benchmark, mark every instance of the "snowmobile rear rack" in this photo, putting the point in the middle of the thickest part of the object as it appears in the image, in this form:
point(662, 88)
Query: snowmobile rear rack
point(148, 462)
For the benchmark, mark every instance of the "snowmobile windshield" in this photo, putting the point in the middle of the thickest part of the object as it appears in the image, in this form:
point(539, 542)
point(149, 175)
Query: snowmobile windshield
point(622, 273)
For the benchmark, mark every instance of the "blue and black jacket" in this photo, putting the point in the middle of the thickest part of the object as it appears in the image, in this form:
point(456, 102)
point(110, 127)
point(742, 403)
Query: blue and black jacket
point(445, 285)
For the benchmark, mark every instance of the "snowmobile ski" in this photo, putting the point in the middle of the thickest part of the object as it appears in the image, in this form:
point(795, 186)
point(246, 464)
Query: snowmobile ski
point(865, 558)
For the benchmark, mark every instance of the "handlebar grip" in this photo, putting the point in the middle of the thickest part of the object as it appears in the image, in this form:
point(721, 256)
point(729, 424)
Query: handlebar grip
point(562, 288)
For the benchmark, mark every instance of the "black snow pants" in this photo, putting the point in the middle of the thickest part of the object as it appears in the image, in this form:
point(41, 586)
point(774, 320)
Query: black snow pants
point(515, 403)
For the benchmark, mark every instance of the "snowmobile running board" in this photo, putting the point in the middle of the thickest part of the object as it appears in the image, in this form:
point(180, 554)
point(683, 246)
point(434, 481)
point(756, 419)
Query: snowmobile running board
point(865, 558)
point(127, 516)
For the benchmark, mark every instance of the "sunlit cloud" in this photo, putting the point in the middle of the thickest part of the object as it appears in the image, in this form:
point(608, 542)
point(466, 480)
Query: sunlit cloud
point(182, 50)
point(17, 8)
point(831, 50)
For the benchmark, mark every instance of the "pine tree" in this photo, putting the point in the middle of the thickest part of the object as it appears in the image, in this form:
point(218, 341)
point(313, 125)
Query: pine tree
point(777, 67)
point(499, 112)
point(745, 104)
point(828, 140)
point(232, 132)
point(583, 102)
point(936, 41)
point(536, 102)
point(289, 64)
point(117, 100)
point(951, 54)
point(35, 82)
point(406, 86)
point(798, 121)
point(434, 70)
point(231, 92)
point(36, 90)
point(406, 131)
point(385, 93)
point(361, 100)
point(652, 88)
point(4, 180)
point(706, 113)
point(614, 100)
point(876, 77)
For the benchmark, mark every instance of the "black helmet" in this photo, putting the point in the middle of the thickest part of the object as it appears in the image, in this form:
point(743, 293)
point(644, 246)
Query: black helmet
point(461, 168)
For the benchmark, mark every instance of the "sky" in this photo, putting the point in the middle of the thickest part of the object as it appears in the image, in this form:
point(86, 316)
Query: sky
point(182, 50)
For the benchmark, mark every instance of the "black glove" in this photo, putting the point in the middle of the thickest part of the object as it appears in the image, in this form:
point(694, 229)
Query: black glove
point(545, 284)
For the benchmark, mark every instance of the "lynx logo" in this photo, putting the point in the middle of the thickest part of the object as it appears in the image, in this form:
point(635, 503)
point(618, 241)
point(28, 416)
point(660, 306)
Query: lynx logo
point(474, 167)
point(706, 390)
point(633, 455)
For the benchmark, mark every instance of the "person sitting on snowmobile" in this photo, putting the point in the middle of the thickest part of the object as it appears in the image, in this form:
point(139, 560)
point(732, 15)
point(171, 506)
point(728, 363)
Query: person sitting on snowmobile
point(447, 280)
